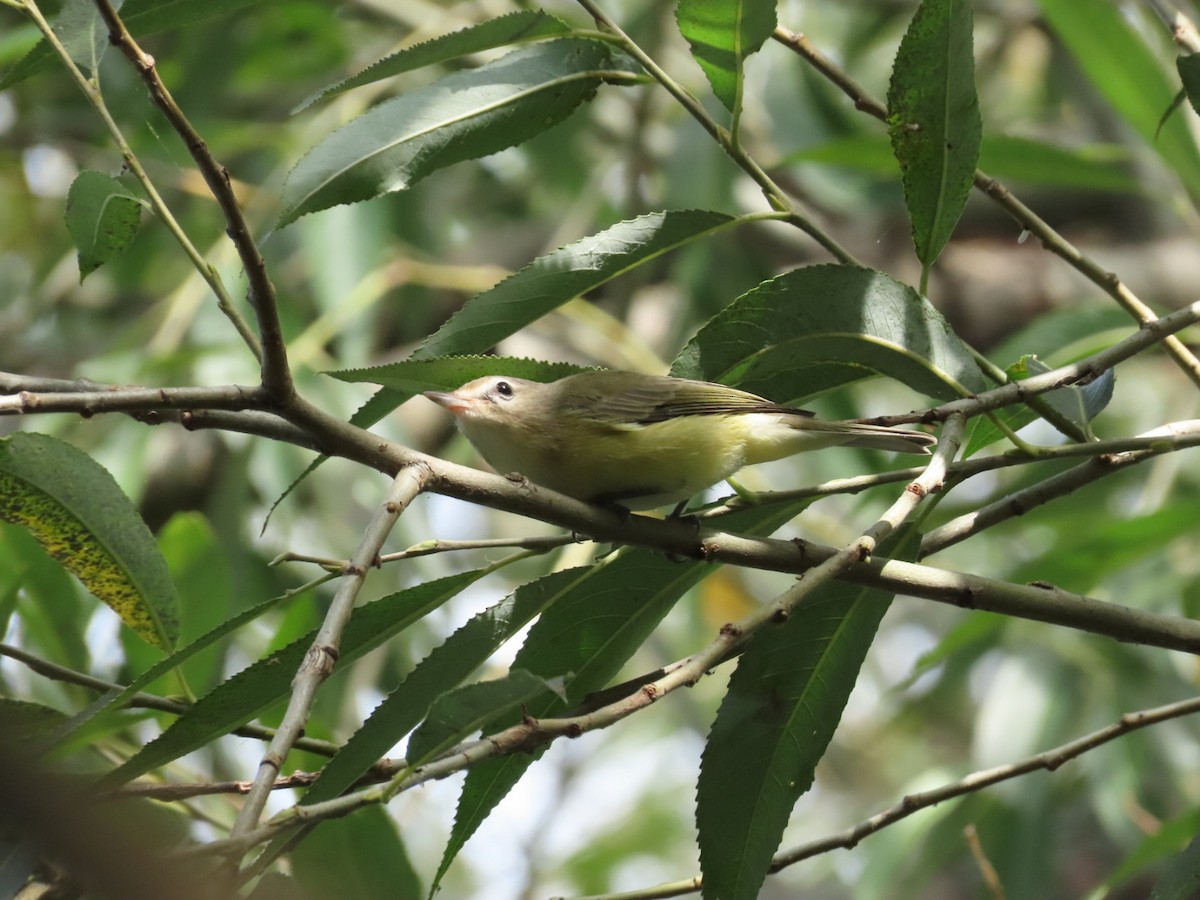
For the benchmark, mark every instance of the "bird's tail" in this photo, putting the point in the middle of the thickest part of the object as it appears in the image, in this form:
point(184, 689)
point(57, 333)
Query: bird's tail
point(874, 437)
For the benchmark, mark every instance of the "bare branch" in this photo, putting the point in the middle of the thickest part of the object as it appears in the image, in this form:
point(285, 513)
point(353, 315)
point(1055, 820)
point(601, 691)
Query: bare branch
point(322, 655)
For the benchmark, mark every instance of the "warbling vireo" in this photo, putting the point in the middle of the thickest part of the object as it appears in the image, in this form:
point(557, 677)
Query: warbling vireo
point(641, 441)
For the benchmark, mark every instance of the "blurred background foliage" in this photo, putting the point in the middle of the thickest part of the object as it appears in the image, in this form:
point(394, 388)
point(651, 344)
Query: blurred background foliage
point(944, 692)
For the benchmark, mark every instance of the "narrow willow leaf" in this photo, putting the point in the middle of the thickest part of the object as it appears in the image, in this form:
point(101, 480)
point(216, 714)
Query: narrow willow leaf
point(75, 509)
point(516, 27)
point(590, 632)
point(267, 681)
point(463, 116)
point(445, 667)
point(819, 327)
point(445, 373)
point(463, 711)
point(933, 120)
point(1130, 77)
point(141, 17)
point(722, 34)
point(1180, 878)
point(781, 709)
point(102, 217)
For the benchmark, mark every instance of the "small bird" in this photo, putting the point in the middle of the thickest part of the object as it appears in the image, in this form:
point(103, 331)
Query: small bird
point(641, 441)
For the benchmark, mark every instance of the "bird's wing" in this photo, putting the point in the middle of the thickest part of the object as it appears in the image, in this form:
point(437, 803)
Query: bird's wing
point(659, 399)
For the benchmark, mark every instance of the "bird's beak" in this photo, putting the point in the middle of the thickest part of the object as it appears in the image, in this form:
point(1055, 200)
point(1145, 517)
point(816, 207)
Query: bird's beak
point(451, 401)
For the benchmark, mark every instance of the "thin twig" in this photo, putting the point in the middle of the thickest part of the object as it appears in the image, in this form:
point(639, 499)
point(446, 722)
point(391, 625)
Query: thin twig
point(1183, 29)
point(276, 376)
point(1164, 440)
point(430, 547)
point(319, 662)
point(140, 700)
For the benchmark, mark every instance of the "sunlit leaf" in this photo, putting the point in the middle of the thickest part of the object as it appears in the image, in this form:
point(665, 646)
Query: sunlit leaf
point(722, 34)
point(77, 512)
point(462, 116)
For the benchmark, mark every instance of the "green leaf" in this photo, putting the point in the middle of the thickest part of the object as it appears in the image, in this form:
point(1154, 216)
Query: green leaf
point(141, 17)
point(820, 327)
point(517, 27)
point(102, 216)
point(463, 116)
point(1081, 558)
point(933, 120)
point(267, 681)
point(465, 710)
point(446, 666)
point(1129, 75)
point(591, 632)
point(197, 580)
point(722, 34)
point(783, 704)
point(1173, 838)
point(360, 856)
point(77, 512)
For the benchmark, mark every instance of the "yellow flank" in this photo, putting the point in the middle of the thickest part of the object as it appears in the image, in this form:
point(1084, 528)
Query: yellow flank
point(641, 440)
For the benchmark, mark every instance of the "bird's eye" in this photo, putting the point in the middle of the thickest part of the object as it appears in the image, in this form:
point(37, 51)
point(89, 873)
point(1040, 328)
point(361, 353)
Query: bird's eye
point(504, 389)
